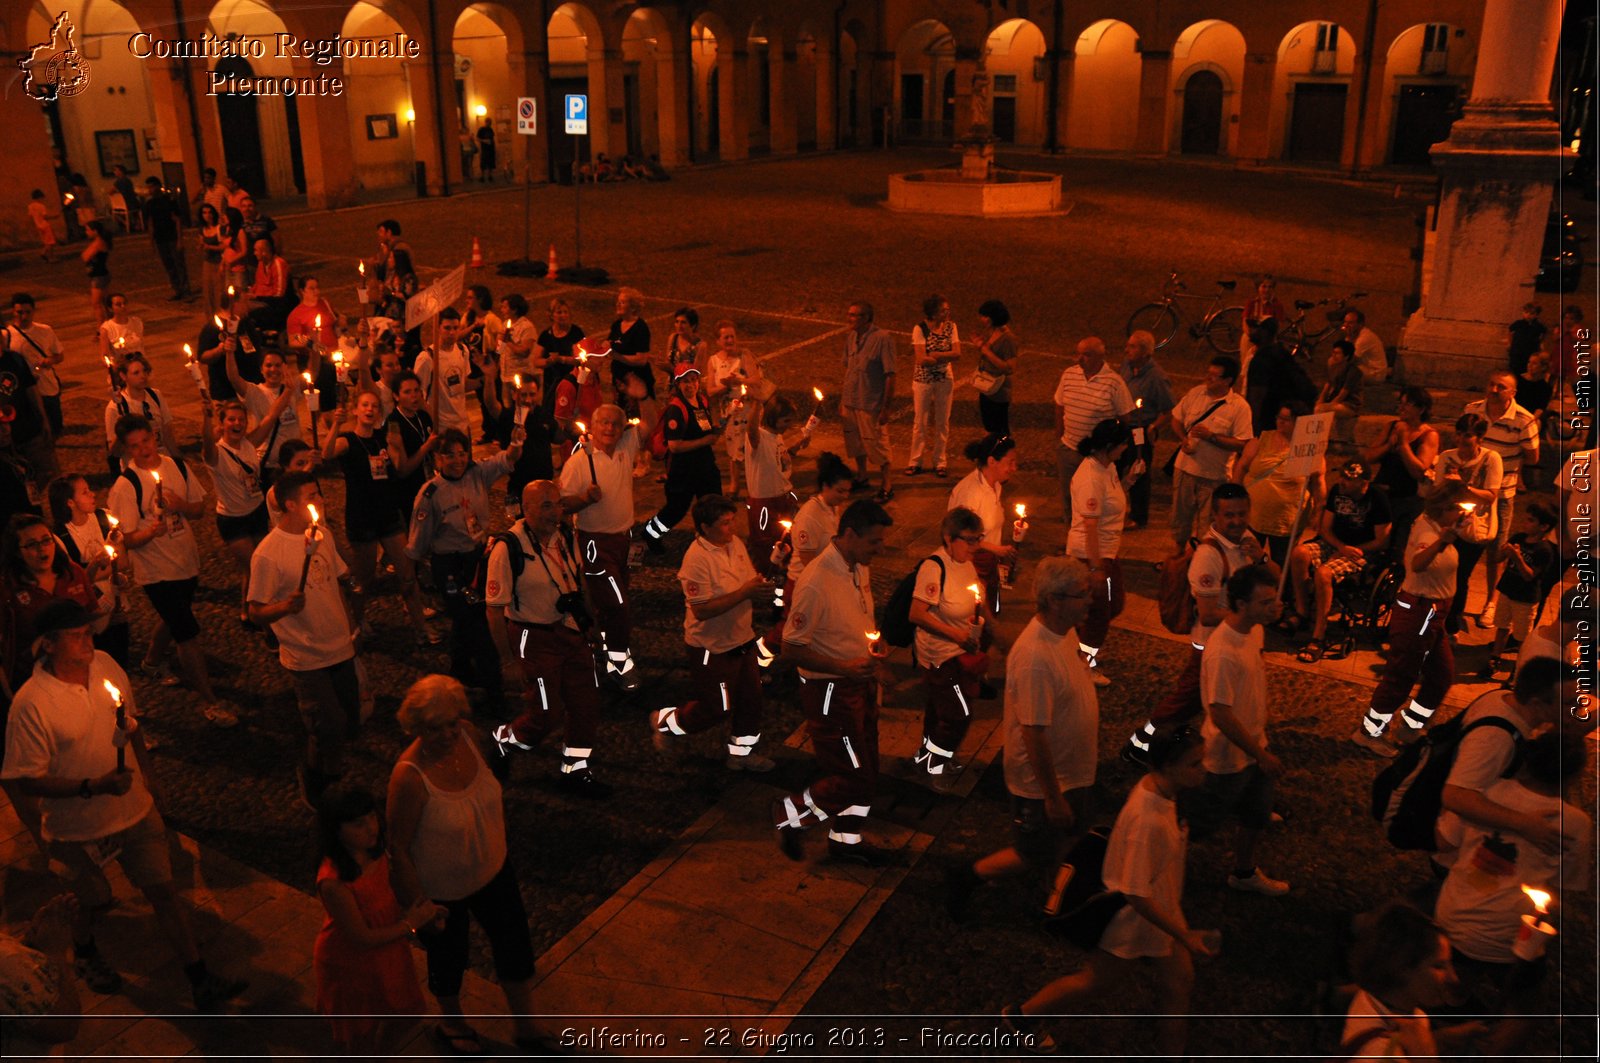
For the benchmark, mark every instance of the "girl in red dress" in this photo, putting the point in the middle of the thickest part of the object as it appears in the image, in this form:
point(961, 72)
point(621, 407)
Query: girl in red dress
point(363, 953)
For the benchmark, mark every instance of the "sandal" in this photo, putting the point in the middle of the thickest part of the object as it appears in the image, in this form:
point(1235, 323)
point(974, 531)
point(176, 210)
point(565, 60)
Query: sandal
point(460, 1044)
point(1310, 653)
point(884, 496)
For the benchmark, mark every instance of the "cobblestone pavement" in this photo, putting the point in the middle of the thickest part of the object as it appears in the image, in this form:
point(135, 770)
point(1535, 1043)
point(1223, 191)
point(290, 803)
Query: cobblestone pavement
point(781, 247)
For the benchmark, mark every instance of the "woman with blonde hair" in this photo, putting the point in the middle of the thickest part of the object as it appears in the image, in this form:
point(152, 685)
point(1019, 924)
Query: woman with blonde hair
point(630, 345)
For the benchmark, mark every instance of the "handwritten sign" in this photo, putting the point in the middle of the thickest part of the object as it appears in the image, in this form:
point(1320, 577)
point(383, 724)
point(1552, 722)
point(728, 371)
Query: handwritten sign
point(426, 304)
point(1309, 444)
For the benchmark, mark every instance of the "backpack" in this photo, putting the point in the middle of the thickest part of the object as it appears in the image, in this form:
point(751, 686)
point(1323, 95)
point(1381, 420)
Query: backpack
point(1080, 907)
point(896, 625)
point(476, 592)
point(1174, 599)
point(138, 485)
point(1408, 794)
point(70, 545)
point(658, 434)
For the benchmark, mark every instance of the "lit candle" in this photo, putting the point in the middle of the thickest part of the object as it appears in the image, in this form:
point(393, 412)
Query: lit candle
point(787, 526)
point(195, 372)
point(313, 533)
point(120, 741)
point(111, 552)
point(161, 499)
point(635, 422)
point(231, 291)
point(1534, 936)
point(1468, 507)
point(312, 399)
point(875, 646)
point(583, 431)
point(112, 520)
point(338, 367)
point(216, 319)
point(977, 600)
point(1138, 404)
point(1019, 527)
point(67, 199)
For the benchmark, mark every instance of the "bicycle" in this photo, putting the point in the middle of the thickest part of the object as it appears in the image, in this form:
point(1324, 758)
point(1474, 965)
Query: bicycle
point(1294, 336)
point(1220, 326)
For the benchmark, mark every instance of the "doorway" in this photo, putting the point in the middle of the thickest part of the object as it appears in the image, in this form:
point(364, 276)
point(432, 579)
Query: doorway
point(1202, 114)
point(1316, 122)
point(241, 131)
point(1005, 119)
point(1422, 117)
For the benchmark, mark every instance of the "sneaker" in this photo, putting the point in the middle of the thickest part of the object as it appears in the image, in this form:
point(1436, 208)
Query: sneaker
point(863, 854)
point(1258, 882)
point(1486, 618)
point(1378, 746)
point(583, 784)
point(97, 974)
point(159, 671)
point(219, 715)
point(789, 841)
point(1028, 1030)
point(505, 736)
point(625, 676)
point(211, 991)
point(751, 762)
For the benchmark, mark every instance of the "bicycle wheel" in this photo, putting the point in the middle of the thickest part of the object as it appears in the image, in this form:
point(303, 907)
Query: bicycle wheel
point(1291, 337)
point(1224, 329)
point(1158, 319)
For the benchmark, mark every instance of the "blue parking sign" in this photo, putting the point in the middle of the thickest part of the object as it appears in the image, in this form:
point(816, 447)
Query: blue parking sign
point(577, 115)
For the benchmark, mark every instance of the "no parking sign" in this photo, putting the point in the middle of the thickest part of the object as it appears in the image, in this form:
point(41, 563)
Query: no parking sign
point(527, 115)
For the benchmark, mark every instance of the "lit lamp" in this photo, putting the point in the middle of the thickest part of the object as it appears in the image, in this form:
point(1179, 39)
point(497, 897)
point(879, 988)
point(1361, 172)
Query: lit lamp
point(481, 111)
point(411, 115)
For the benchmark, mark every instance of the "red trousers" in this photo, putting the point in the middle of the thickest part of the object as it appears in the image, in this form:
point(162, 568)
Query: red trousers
point(774, 638)
point(952, 689)
point(605, 572)
point(559, 687)
point(727, 686)
point(1419, 650)
point(842, 716)
point(765, 531)
point(1106, 601)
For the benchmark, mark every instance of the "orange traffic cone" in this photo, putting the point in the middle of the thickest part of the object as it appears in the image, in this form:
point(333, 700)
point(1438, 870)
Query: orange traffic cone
point(550, 264)
point(477, 254)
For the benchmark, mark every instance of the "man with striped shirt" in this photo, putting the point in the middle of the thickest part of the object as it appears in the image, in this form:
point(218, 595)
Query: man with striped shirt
point(1088, 393)
point(1514, 435)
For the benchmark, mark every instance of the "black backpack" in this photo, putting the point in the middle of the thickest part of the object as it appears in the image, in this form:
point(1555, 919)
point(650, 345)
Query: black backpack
point(1080, 907)
point(896, 625)
point(1407, 795)
point(477, 592)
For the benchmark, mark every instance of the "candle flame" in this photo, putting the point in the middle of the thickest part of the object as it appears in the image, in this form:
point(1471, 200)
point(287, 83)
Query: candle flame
point(231, 291)
point(583, 429)
point(315, 517)
point(317, 322)
point(744, 389)
point(188, 352)
point(122, 341)
point(818, 393)
point(111, 552)
point(361, 268)
point(977, 592)
point(1022, 511)
point(1138, 404)
point(338, 357)
point(1540, 899)
point(634, 421)
point(112, 520)
point(106, 358)
point(516, 378)
point(116, 695)
point(874, 636)
point(70, 197)
point(217, 318)
point(306, 377)
point(787, 524)
point(1468, 507)
point(157, 477)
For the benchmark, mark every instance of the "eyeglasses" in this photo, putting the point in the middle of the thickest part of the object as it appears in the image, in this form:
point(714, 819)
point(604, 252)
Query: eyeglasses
point(970, 540)
point(36, 544)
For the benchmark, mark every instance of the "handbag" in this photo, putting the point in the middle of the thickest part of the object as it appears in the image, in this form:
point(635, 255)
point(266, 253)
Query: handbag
point(1080, 908)
point(985, 382)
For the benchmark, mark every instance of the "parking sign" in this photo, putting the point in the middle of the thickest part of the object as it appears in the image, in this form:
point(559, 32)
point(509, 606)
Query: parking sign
point(577, 116)
point(527, 115)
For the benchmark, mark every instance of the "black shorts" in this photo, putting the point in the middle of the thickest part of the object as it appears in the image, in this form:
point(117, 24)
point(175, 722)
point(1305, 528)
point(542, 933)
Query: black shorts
point(253, 526)
point(370, 524)
point(1246, 795)
point(173, 601)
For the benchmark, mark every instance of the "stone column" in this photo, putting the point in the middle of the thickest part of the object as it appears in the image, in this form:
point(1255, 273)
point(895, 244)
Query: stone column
point(422, 74)
point(733, 71)
point(827, 90)
point(28, 163)
point(1497, 170)
point(175, 123)
point(783, 120)
point(530, 155)
point(611, 136)
point(1254, 145)
point(1064, 66)
point(1155, 90)
point(325, 144)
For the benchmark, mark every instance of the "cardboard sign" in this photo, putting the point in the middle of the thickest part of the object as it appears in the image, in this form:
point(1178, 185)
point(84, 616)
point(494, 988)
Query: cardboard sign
point(1309, 444)
point(426, 304)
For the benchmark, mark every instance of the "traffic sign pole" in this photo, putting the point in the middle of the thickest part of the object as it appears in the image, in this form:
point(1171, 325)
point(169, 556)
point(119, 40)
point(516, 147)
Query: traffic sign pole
point(577, 124)
point(527, 125)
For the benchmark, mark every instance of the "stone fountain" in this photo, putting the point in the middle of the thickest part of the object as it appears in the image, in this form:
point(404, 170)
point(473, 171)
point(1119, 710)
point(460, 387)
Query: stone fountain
point(978, 187)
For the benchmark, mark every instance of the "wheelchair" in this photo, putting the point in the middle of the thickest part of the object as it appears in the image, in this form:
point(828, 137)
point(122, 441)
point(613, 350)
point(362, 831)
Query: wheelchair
point(1362, 604)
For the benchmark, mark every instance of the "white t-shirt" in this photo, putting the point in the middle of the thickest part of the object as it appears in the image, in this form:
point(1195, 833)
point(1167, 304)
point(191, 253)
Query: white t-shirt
point(1481, 759)
point(448, 369)
point(1438, 580)
point(983, 498)
point(1048, 685)
point(813, 529)
point(540, 584)
point(131, 335)
point(49, 343)
point(91, 544)
point(258, 400)
point(1097, 492)
point(767, 467)
point(1232, 420)
point(832, 610)
point(172, 556)
point(152, 407)
point(1232, 673)
point(710, 571)
point(1145, 857)
point(64, 730)
point(1366, 1013)
point(1208, 576)
point(614, 512)
point(1481, 911)
point(319, 635)
point(949, 598)
point(237, 474)
point(1370, 355)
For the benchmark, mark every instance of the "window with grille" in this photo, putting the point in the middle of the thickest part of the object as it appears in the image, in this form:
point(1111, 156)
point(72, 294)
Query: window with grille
point(1435, 49)
point(1325, 60)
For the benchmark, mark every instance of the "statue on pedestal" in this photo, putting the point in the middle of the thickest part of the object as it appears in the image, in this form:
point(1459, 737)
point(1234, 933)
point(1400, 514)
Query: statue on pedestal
point(978, 114)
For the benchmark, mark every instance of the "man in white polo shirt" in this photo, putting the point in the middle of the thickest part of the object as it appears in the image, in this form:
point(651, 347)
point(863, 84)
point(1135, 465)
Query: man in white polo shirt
point(720, 589)
point(1088, 393)
point(597, 485)
point(825, 637)
point(1514, 435)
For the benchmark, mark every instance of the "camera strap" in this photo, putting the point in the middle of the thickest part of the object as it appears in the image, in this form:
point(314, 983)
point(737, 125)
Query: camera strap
point(566, 563)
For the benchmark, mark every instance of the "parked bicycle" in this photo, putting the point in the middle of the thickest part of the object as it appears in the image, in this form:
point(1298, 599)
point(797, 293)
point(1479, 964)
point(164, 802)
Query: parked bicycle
point(1221, 326)
point(1300, 341)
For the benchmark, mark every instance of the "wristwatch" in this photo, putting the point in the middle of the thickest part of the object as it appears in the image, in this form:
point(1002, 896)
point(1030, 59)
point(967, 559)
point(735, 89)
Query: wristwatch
point(84, 791)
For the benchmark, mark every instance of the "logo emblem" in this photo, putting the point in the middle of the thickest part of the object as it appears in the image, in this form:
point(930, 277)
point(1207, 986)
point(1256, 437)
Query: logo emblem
point(55, 68)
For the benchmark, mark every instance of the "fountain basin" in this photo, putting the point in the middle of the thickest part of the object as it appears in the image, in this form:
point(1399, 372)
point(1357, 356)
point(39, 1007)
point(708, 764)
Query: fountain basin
point(1004, 193)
